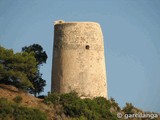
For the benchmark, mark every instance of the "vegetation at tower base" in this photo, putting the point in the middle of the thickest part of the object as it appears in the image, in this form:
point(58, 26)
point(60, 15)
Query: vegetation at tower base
point(41, 57)
point(81, 109)
point(70, 106)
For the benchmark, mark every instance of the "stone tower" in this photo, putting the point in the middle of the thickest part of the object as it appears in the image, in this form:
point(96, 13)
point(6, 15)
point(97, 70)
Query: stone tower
point(78, 59)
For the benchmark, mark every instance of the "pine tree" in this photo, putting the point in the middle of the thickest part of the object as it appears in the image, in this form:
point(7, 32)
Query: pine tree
point(17, 68)
point(41, 57)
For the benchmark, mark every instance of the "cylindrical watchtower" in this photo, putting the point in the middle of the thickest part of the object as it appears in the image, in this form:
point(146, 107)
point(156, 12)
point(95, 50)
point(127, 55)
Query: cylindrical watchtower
point(78, 59)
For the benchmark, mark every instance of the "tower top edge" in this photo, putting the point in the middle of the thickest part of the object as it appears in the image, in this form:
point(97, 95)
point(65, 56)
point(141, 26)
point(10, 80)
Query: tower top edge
point(73, 22)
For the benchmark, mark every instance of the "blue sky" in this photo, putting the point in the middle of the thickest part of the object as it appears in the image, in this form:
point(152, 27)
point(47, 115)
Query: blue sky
point(131, 30)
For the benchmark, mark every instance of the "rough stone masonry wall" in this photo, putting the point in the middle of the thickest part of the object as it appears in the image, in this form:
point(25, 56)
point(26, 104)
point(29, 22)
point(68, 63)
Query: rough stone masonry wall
point(78, 59)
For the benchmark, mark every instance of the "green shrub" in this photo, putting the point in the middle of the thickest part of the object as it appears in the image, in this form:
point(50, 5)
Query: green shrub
point(52, 98)
point(23, 113)
point(128, 108)
point(5, 109)
point(82, 109)
point(18, 99)
point(14, 111)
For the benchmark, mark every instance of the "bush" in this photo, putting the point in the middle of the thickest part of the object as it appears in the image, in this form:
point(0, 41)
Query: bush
point(18, 99)
point(82, 109)
point(52, 98)
point(128, 108)
point(23, 113)
point(16, 112)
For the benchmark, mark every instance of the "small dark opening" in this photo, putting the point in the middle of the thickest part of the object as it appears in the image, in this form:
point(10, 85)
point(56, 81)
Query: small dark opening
point(87, 47)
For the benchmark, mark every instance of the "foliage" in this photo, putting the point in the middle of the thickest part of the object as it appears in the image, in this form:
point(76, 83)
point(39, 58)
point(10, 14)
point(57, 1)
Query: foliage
point(18, 99)
point(14, 111)
point(41, 57)
point(16, 68)
point(52, 98)
point(87, 109)
point(38, 84)
point(114, 104)
point(128, 108)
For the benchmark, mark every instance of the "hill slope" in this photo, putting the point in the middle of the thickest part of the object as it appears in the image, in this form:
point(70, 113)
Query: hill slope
point(10, 92)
